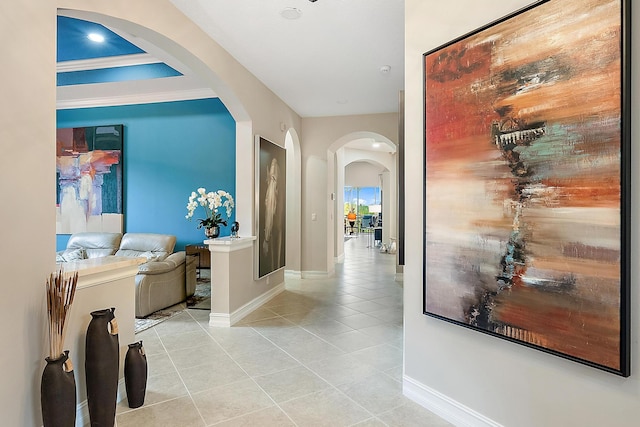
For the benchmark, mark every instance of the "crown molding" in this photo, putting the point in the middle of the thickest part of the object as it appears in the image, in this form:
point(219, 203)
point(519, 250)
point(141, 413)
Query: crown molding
point(179, 88)
point(132, 99)
point(106, 62)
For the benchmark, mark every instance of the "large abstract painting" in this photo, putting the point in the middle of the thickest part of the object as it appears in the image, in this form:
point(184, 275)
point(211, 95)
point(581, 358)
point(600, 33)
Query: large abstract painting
point(271, 186)
point(89, 179)
point(527, 180)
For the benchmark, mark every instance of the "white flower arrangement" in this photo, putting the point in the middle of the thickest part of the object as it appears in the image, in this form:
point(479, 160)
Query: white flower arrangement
point(210, 202)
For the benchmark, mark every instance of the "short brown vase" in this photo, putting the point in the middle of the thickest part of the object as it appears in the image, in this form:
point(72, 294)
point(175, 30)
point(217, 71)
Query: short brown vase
point(135, 374)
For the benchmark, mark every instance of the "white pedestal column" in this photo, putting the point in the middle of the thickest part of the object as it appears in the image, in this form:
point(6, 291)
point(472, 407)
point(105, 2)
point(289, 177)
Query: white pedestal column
point(232, 284)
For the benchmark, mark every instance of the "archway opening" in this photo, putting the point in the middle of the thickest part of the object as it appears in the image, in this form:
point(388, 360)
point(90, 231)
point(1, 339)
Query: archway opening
point(293, 259)
point(367, 147)
point(182, 59)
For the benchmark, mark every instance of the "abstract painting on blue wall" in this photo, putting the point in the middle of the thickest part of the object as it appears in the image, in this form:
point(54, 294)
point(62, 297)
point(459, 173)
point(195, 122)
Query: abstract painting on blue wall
point(89, 179)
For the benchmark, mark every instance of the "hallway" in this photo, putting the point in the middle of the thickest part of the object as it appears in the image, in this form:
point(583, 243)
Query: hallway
point(322, 353)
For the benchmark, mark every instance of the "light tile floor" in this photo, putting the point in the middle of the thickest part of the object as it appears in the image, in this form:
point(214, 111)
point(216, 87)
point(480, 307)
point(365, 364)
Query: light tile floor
point(322, 353)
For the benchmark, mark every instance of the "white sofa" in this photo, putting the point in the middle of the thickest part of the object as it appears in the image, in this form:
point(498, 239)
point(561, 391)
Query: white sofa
point(165, 279)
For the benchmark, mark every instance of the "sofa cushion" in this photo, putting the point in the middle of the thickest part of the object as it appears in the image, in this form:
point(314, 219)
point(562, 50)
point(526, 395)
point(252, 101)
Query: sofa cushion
point(95, 244)
point(158, 267)
point(146, 245)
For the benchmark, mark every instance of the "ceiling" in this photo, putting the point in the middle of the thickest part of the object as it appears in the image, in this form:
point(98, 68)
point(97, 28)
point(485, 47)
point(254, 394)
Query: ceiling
point(339, 57)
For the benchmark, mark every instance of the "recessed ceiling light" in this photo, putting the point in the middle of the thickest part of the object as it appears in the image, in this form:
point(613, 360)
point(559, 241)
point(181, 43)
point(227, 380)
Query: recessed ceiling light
point(291, 13)
point(95, 37)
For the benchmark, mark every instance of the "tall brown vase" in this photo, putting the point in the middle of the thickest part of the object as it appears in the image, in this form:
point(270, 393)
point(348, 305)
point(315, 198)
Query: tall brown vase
point(58, 393)
point(102, 361)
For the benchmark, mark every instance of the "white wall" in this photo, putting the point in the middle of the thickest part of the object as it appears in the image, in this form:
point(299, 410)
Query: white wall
point(509, 384)
point(27, 129)
point(338, 240)
point(362, 174)
point(294, 173)
point(27, 216)
point(389, 207)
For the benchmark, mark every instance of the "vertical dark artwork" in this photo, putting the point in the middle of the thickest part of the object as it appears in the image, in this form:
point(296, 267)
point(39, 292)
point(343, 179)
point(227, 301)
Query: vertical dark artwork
point(527, 180)
point(271, 206)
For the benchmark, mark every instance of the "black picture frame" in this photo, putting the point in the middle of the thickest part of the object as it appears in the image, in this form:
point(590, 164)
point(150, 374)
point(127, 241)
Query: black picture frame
point(527, 178)
point(271, 194)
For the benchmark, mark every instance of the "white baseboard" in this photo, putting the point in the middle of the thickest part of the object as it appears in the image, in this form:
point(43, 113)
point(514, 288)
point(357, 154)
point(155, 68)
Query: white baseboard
point(339, 259)
point(443, 406)
point(316, 274)
point(292, 274)
point(220, 320)
point(226, 320)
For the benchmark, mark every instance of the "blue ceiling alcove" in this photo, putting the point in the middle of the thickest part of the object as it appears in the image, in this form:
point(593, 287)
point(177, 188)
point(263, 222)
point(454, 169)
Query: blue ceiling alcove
point(73, 44)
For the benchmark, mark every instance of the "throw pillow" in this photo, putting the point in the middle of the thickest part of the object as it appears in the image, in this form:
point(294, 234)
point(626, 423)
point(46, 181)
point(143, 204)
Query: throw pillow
point(150, 256)
point(70, 255)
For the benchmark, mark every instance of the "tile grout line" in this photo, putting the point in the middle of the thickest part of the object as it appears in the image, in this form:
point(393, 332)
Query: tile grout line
point(180, 376)
point(311, 370)
point(248, 375)
point(321, 299)
point(174, 398)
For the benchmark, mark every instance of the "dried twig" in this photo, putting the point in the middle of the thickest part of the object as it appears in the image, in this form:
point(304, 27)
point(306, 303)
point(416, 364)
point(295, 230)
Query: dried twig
point(61, 289)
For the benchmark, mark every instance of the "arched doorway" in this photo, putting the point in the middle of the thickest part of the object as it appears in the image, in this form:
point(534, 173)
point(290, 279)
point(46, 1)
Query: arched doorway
point(186, 62)
point(354, 147)
point(294, 214)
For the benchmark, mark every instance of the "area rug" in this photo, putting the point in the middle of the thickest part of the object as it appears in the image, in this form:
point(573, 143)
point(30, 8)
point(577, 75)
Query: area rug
point(201, 300)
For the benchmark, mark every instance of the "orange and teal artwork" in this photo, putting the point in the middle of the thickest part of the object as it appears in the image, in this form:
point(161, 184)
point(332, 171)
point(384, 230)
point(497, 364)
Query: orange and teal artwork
point(527, 180)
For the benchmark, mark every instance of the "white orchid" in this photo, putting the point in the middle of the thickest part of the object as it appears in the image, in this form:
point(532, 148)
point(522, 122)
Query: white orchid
point(210, 202)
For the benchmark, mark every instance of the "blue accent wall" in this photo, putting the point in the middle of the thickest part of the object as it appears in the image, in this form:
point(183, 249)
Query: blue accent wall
point(170, 149)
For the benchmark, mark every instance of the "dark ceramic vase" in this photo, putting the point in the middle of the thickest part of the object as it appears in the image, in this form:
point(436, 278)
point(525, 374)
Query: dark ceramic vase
point(212, 232)
point(58, 393)
point(102, 361)
point(135, 374)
